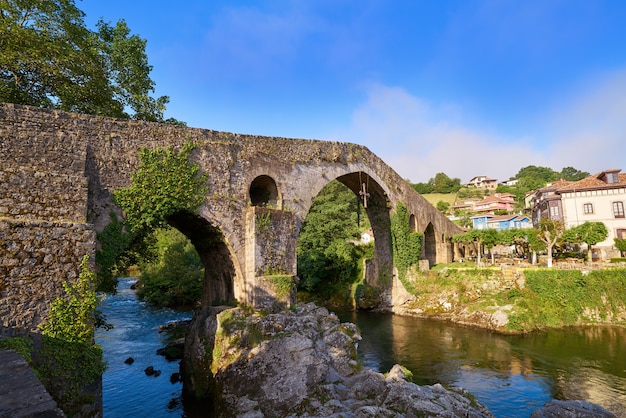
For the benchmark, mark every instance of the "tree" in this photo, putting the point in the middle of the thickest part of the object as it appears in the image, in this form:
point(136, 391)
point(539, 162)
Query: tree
point(572, 174)
point(172, 276)
point(541, 174)
point(325, 253)
point(443, 207)
point(48, 58)
point(490, 238)
point(620, 244)
point(443, 184)
point(589, 233)
point(474, 237)
point(422, 188)
point(549, 232)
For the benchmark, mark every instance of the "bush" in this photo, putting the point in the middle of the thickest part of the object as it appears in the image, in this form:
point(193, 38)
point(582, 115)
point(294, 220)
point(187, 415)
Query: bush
point(557, 298)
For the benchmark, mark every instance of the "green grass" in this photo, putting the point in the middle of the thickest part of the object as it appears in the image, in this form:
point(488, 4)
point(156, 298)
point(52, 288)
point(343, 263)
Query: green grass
point(433, 198)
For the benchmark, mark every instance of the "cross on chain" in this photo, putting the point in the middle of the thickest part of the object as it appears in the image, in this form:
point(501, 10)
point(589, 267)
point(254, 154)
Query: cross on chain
point(364, 194)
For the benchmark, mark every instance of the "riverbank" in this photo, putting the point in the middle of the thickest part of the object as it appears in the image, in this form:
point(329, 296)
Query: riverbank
point(514, 300)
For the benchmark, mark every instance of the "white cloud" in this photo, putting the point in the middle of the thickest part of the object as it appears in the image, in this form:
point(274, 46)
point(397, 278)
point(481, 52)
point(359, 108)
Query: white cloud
point(420, 140)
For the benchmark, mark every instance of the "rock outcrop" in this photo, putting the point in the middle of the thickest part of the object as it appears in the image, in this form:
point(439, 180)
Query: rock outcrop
point(304, 363)
point(571, 409)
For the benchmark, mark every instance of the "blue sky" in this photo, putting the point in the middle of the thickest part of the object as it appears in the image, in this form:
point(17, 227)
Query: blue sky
point(461, 87)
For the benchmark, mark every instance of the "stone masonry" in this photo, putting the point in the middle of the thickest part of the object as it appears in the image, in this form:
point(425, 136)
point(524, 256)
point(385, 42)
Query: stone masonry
point(58, 172)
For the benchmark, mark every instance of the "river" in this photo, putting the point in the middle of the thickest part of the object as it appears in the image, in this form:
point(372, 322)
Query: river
point(126, 389)
point(511, 375)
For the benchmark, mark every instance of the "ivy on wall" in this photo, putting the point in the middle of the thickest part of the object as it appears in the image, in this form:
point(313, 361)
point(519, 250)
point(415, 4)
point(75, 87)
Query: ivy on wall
point(406, 245)
point(165, 183)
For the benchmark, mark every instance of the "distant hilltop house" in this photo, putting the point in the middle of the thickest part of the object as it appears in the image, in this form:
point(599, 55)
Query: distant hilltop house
point(500, 222)
point(483, 182)
point(510, 182)
point(597, 198)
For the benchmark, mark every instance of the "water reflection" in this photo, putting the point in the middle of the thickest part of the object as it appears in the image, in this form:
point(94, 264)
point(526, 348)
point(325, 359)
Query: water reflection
point(512, 375)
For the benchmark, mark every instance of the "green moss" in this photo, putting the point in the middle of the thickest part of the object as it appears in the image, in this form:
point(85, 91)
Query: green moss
point(282, 284)
point(21, 345)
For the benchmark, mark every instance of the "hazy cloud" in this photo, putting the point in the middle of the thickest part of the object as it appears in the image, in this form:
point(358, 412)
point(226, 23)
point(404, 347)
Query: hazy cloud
point(589, 130)
point(419, 140)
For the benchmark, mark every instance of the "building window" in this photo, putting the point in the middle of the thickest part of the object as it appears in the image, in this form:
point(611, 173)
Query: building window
point(588, 208)
point(621, 233)
point(554, 211)
point(618, 209)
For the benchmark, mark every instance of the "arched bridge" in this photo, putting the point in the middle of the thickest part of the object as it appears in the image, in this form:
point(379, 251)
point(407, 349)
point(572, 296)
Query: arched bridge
point(58, 171)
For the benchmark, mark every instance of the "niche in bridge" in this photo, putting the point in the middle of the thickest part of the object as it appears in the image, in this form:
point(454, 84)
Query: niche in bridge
point(263, 192)
point(413, 223)
point(430, 245)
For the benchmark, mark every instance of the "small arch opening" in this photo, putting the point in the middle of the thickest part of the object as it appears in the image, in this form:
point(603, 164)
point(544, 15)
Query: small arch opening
point(263, 192)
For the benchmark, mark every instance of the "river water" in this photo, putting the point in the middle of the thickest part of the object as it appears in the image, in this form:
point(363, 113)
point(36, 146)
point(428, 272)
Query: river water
point(126, 389)
point(511, 375)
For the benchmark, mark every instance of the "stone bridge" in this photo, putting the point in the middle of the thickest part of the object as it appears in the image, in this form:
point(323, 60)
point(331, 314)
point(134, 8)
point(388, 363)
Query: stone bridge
point(58, 172)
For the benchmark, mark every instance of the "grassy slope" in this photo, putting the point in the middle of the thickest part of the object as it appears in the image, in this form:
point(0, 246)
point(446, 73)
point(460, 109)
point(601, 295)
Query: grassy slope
point(433, 198)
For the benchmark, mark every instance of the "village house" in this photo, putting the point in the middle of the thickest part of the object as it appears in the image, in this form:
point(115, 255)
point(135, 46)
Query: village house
point(501, 222)
point(499, 201)
point(483, 182)
point(545, 202)
point(597, 198)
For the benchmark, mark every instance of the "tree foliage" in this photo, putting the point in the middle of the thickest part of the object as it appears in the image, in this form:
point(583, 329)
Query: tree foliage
point(589, 233)
point(620, 244)
point(165, 183)
point(72, 318)
point(535, 177)
point(443, 207)
point(441, 183)
point(172, 276)
point(326, 254)
point(48, 58)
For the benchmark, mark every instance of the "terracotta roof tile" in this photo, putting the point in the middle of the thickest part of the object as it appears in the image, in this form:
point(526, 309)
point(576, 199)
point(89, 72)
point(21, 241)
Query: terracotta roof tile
point(594, 182)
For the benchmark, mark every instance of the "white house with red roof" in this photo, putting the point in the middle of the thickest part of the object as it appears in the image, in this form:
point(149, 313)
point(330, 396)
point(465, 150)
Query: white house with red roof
point(483, 182)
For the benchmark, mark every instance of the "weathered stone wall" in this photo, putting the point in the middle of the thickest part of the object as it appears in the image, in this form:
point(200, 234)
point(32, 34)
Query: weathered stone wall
point(35, 258)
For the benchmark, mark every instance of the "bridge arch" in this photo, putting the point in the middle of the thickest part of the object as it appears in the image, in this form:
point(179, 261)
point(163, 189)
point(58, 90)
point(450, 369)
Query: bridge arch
point(374, 199)
point(220, 271)
point(429, 247)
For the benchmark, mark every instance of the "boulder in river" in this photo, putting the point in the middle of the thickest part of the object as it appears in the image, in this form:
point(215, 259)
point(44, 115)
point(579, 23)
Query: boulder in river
point(305, 363)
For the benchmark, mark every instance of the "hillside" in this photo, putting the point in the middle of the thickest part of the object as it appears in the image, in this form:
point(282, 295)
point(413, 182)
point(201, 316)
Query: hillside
point(433, 198)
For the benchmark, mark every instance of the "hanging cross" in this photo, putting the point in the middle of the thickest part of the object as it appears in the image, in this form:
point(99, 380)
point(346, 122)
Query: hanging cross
point(364, 194)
